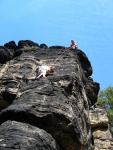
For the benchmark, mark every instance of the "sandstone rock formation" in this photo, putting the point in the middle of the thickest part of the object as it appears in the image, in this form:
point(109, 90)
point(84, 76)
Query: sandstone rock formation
point(100, 129)
point(52, 113)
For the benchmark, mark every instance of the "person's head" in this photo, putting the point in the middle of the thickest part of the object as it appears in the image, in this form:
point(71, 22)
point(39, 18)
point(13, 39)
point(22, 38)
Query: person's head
point(51, 69)
point(72, 41)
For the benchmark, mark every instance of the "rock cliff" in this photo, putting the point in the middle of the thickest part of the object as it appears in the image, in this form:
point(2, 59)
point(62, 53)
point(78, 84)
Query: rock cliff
point(54, 112)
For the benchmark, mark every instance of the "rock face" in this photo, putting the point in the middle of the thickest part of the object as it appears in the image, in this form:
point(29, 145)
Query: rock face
point(100, 129)
point(52, 113)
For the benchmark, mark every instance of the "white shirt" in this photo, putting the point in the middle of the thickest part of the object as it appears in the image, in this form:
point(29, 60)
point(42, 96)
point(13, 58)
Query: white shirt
point(43, 69)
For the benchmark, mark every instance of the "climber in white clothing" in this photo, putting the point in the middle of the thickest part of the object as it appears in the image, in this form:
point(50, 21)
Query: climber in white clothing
point(40, 72)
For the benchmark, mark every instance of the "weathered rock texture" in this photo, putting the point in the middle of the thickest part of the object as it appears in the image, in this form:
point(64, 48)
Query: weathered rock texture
point(100, 129)
point(52, 113)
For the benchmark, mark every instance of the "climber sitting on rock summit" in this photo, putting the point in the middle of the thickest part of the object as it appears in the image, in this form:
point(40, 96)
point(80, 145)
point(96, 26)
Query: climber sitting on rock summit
point(73, 44)
point(40, 72)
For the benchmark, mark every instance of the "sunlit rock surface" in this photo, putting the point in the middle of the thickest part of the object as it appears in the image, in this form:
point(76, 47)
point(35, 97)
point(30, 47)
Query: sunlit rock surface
point(100, 129)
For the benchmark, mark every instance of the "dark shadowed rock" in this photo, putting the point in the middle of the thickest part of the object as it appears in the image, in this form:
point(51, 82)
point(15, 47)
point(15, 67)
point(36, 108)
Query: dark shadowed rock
point(5, 55)
point(44, 46)
point(26, 43)
point(8, 91)
point(11, 45)
point(25, 136)
point(18, 52)
point(57, 47)
point(92, 89)
point(85, 63)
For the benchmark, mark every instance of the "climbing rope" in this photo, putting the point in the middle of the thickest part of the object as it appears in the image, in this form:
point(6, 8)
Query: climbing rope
point(61, 54)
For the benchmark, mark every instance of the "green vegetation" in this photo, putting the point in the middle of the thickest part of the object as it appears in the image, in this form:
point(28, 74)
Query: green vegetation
point(106, 98)
point(29, 48)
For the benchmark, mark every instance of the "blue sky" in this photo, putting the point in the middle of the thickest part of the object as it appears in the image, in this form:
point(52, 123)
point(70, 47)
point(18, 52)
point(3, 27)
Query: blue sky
point(89, 23)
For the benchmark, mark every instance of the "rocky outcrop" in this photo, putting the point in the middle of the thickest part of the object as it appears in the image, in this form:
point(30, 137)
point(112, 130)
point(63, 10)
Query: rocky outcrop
point(5, 54)
point(100, 129)
point(26, 44)
point(17, 135)
point(11, 45)
point(52, 113)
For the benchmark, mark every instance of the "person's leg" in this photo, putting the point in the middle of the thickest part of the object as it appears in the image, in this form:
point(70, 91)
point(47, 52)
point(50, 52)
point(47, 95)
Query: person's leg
point(31, 78)
point(40, 75)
